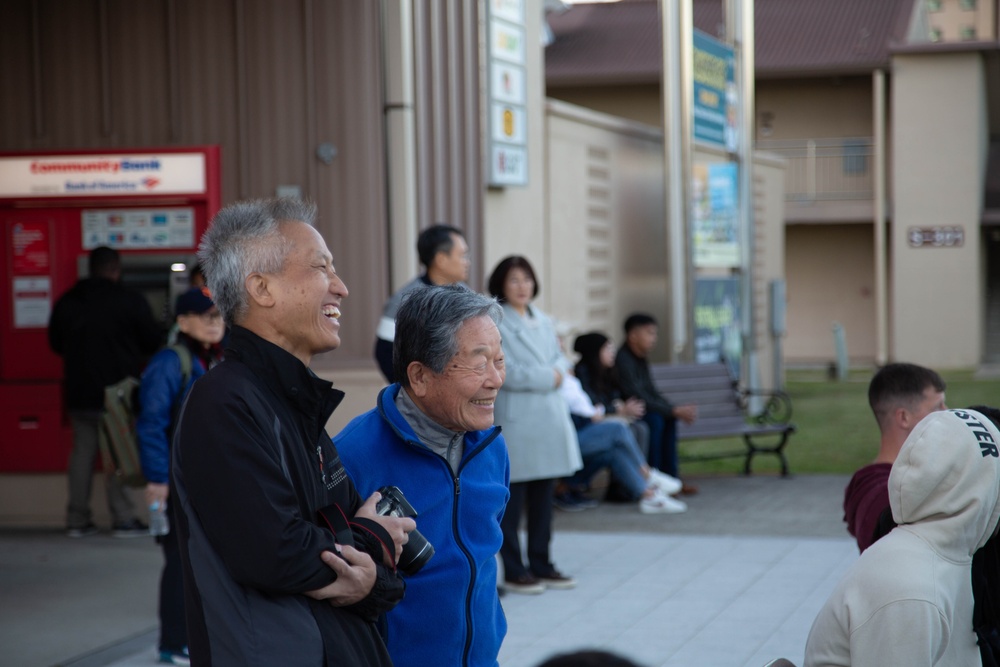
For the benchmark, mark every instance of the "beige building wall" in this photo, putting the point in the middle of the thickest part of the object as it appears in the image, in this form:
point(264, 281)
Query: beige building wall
point(640, 103)
point(830, 280)
point(769, 264)
point(814, 108)
point(940, 137)
point(605, 213)
point(960, 21)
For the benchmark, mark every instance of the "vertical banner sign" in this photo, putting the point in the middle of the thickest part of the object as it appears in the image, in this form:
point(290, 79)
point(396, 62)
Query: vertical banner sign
point(717, 322)
point(715, 98)
point(715, 215)
point(507, 117)
point(31, 260)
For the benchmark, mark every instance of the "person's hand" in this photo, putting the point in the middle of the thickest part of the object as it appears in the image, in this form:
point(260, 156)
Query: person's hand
point(634, 408)
point(355, 577)
point(686, 413)
point(558, 377)
point(156, 493)
point(398, 527)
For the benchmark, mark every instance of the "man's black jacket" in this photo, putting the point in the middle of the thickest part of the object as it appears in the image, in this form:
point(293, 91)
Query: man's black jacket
point(635, 381)
point(252, 466)
point(104, 332)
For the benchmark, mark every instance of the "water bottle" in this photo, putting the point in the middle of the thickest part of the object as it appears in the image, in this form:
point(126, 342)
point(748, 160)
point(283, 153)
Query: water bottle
point(158, 522)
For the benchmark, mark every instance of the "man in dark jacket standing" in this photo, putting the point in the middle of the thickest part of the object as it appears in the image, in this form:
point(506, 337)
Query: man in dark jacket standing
point(104, 332)
point(284, 563)
point(432, 436)
point(445, 255)
point(632, 365)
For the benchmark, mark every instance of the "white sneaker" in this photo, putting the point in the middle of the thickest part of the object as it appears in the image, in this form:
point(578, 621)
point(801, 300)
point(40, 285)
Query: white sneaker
point(665, 483)
point(661, 504)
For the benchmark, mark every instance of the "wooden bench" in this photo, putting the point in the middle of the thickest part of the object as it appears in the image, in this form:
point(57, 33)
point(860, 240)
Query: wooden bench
point(723, 411)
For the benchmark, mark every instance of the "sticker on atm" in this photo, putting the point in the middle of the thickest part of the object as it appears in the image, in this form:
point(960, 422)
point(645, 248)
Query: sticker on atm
point(136, 229)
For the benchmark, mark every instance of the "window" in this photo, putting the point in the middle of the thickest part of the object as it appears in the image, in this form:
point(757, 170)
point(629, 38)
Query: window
point(855, 162)
point(968, 33)
point(935, 34)
point(933, 5)
point(967, 5)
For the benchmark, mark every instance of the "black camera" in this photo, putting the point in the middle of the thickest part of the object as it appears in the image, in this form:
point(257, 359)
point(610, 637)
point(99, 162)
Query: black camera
point(417, 550)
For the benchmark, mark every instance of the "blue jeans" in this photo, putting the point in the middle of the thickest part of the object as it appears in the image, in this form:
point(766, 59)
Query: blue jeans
point(662, 443)
point(610, 444)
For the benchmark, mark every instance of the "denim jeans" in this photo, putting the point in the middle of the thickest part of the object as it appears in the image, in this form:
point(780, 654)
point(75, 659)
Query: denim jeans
point(662, 443)
point(610, 444)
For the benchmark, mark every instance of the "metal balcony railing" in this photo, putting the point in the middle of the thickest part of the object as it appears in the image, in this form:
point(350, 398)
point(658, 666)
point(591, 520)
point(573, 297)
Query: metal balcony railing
point(825, 169)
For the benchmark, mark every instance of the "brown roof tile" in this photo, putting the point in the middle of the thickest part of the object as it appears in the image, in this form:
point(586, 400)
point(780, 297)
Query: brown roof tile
point(619, 42)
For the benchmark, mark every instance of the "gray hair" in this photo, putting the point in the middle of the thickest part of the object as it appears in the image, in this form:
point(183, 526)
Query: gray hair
point(245, 238)
point(427, 325)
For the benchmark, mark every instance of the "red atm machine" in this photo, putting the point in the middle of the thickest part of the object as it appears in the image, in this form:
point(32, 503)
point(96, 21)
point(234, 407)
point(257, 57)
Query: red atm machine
point(152, 205)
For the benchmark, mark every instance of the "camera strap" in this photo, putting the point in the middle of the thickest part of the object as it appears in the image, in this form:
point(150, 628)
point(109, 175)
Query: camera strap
point(334, 519)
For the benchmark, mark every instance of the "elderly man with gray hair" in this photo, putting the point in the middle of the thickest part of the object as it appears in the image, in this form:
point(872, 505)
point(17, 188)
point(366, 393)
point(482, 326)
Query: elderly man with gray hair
point(432, 436)
point(284, 563)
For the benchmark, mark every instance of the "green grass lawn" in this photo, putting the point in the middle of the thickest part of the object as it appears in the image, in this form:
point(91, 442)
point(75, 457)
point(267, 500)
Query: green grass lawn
point(836, 430)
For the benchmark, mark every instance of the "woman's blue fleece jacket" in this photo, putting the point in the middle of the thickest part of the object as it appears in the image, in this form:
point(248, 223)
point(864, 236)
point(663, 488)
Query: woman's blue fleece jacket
point(450, 614)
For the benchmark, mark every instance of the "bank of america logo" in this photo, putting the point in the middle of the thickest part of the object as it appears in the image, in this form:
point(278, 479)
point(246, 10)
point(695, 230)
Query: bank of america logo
point(150, 182)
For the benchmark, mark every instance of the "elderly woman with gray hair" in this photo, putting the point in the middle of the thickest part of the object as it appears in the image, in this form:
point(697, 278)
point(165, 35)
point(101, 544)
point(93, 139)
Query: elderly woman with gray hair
point(536, 423)
point(432, 436)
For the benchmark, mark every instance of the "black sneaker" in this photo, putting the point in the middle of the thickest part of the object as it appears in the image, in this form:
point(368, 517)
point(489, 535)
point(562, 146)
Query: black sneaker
point(524, 584)
point(82, 531)
point(567, 503)
point(556, 580)
point(583, 501)
point(130, 528)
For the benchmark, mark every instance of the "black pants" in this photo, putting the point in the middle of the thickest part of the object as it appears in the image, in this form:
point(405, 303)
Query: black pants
point(534, 498)
point(173, 628)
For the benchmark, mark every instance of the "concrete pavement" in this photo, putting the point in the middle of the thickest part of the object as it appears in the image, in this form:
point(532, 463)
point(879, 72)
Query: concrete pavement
point(735, 581)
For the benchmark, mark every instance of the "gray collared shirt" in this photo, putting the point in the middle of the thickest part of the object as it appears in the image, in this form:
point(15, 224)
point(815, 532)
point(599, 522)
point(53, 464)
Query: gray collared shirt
point(440, 440)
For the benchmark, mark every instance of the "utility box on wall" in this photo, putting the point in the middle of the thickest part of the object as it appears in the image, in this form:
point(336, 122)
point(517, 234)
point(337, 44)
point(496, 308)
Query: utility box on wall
point(150, 204)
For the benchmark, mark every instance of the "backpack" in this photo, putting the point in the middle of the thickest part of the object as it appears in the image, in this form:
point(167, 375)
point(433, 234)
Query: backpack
point(116, 435)
point(986, 592)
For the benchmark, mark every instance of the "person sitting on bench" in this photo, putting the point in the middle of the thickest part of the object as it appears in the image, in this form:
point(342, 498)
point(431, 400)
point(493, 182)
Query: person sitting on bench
point(632, 365)
point(608, 442)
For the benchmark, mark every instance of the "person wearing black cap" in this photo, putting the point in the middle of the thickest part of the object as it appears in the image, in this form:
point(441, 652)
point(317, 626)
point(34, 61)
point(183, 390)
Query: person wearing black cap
point(165, 382)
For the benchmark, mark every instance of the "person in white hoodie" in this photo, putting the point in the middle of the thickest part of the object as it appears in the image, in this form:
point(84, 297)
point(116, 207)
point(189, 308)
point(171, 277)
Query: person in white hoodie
point(908, 599)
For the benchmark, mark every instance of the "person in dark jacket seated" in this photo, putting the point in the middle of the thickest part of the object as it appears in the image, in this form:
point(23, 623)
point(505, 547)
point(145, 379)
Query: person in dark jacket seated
point(432, 436)
point(284, 562)
point(632, 365)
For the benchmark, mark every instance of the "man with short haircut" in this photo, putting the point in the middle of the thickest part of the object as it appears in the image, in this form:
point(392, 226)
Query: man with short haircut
point(104, 332)
point(284, 563)
point(445, 255)
point(632, 365)
point(432, 435)
point(900, 395)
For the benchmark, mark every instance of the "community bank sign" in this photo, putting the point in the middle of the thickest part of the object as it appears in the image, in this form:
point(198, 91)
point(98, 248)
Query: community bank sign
point(99, 175)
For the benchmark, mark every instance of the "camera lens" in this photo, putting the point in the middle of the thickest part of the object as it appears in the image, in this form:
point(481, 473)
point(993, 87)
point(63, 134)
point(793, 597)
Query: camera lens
point(416, 552)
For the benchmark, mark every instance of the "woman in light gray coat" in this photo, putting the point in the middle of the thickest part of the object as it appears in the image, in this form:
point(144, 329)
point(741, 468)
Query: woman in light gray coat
point(536, 424)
